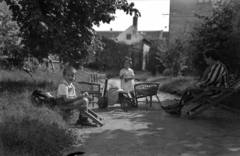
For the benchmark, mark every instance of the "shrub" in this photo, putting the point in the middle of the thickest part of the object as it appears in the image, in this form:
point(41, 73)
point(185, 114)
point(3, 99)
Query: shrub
point(25, 129)
point(174, 84)
point(155, 62)
point(110, 55)
point(167, 72)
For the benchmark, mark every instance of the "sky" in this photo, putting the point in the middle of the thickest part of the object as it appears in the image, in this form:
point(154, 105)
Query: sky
point(154, 16)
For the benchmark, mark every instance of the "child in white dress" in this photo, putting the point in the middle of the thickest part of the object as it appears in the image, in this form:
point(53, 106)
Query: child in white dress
point(127, 77)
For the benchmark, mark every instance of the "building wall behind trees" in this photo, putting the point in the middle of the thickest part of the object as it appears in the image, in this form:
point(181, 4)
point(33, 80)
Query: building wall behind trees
point(182, 14)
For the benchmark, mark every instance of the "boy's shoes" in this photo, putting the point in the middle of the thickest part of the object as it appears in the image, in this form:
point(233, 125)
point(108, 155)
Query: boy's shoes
point(85, 122)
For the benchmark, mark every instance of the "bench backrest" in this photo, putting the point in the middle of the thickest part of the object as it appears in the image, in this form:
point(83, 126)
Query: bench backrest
point(145, 89)
point(96, 78)
point(91, 88)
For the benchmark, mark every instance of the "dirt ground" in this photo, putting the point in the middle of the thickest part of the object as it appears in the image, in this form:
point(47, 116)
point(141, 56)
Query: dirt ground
point(149, 131)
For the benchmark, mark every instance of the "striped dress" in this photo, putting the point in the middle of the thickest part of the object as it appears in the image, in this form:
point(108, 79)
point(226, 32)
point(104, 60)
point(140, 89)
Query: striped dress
point(217, 77)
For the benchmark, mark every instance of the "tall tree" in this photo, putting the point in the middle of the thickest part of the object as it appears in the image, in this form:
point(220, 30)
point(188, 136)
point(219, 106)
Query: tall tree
point(9, 40)
point(219, 32)
point(63, 27)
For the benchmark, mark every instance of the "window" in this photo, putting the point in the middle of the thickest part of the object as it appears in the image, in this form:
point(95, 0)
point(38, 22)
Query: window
point(129, 36)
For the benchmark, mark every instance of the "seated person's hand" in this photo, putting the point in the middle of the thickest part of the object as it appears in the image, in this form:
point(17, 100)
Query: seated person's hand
point(200, 84)
point(85, 94)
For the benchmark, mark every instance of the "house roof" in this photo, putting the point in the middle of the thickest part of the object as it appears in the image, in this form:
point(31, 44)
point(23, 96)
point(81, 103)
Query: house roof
point(146, 34)
point(154, 34)
point(109, 34)
point(150, 34)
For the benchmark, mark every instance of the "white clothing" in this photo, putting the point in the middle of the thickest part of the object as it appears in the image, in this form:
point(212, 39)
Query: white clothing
point(129, 85)
point(113, 95)
point(66, 89)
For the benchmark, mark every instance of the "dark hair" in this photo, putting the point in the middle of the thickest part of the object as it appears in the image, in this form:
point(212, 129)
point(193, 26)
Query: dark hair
point(211, 53)
point(69, 68)
point(127, 59)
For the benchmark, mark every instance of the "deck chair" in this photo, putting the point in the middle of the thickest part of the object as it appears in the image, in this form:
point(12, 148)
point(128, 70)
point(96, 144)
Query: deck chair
point(207, 102)
point(84, 110)
point(146, 90)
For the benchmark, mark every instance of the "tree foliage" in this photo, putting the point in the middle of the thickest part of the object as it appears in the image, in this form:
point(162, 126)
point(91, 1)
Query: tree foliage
point(156, 56)
point(110, 55)
point(175, 58)
point(9, 39)
point(218, 32)
point(63, 27)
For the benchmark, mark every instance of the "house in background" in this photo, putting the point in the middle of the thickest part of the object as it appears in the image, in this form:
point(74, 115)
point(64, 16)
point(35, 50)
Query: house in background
point(140, 42)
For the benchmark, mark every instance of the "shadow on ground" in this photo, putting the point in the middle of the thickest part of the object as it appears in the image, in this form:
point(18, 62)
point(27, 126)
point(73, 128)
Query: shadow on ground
point(148, 132)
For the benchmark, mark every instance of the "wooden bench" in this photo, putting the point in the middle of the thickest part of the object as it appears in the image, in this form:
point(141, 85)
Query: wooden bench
point(93, 89)
point(146, 90)
point(94, 86)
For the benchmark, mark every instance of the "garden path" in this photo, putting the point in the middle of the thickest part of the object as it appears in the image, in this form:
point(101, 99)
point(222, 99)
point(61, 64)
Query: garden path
point(149, 131)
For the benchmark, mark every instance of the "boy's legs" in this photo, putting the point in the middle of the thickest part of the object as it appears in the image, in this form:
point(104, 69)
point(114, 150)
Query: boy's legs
point(82, 119)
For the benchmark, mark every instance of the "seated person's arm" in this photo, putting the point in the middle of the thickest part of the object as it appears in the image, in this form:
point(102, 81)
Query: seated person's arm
point(63, 92)
point(214, 75)
point(72, 99)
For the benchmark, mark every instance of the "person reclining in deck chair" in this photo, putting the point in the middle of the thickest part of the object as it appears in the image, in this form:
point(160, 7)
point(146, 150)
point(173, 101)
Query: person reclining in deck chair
point(215, 75)
point(66, 95)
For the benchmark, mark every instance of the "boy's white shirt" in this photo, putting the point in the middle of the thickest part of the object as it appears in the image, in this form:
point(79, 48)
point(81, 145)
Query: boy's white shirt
point(129, 85)
point(66, 89)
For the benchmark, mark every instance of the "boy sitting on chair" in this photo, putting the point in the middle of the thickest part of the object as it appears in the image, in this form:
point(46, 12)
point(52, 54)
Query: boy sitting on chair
point(66, 95)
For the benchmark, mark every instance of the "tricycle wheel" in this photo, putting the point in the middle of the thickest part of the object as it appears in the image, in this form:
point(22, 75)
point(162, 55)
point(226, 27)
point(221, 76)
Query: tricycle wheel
point(126, 105)
point(102, 102)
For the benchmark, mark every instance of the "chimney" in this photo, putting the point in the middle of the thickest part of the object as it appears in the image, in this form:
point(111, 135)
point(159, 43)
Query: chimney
point(135, 22)
point(160, 34)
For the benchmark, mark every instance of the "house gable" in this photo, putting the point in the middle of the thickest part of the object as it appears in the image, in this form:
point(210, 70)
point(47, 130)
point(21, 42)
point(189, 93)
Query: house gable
point(130, 36)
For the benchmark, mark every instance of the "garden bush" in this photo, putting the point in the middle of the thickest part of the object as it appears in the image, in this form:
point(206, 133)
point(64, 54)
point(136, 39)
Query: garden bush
point(36, 131)
point(155, 59)
point(110, 55)
point(25, 129)
point(174, 84)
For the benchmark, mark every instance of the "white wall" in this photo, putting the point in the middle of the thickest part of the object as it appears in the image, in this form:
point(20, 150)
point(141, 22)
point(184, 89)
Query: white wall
point(135, 36)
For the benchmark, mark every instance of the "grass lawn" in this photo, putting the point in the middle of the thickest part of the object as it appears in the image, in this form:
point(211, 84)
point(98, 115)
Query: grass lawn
point(28, 130)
